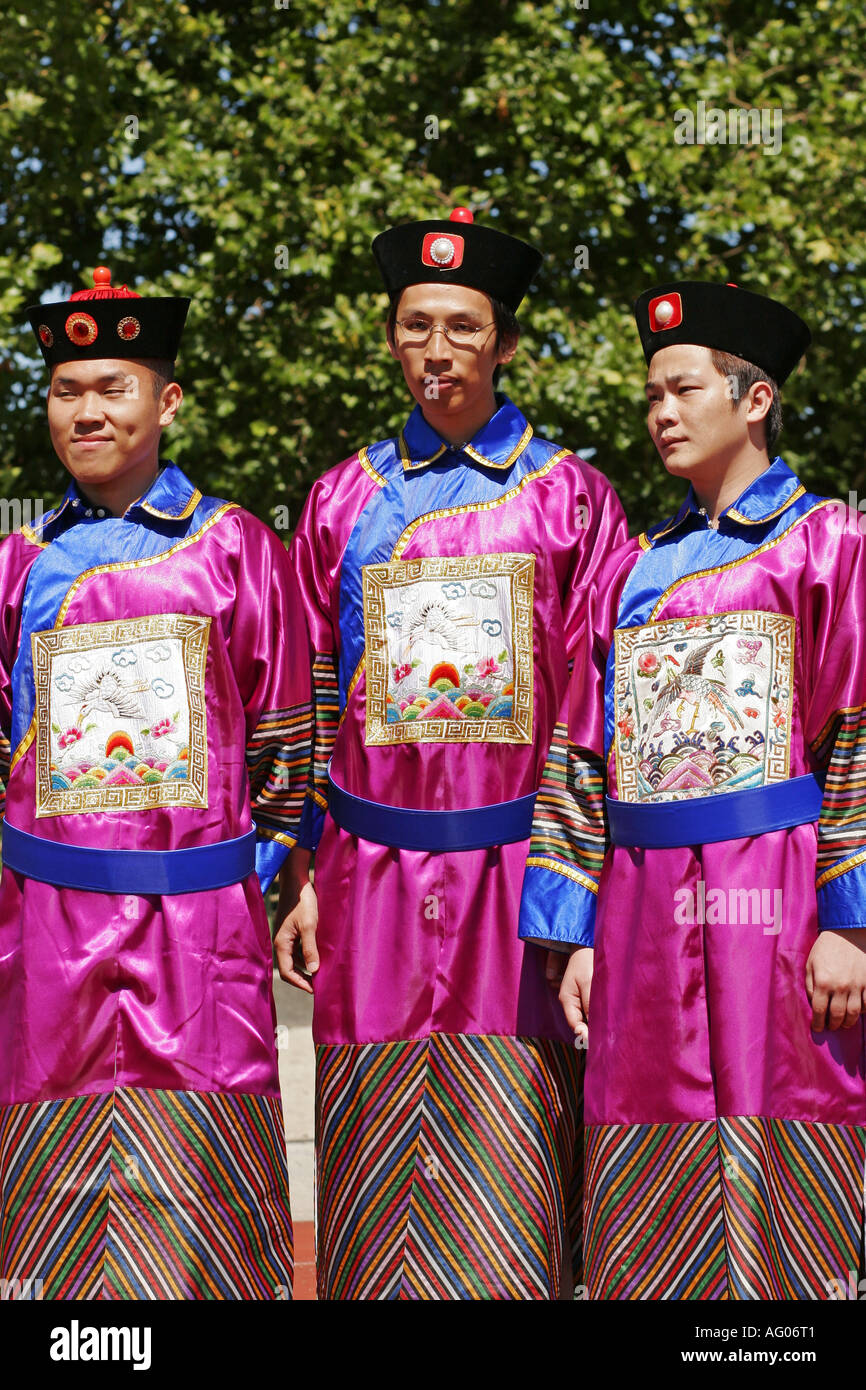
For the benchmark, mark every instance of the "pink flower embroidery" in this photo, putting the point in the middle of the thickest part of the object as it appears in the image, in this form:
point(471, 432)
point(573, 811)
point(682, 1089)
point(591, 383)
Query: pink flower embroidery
point(401, 672)
point(752, 713)
point(163, 726)
point(779, 718)
point(486, 667)
point(626, 726)
point(647, 663)
point(69, 737)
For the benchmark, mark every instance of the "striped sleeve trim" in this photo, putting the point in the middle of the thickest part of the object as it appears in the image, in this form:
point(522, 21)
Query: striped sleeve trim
point(842, 823)
point(278, 764)
point(326, 706)
point(568, 826)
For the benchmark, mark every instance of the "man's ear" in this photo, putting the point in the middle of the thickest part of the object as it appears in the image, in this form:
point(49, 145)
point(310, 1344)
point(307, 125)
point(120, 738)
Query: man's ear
point(169, 403)
point(760, 400)
point(507, 349)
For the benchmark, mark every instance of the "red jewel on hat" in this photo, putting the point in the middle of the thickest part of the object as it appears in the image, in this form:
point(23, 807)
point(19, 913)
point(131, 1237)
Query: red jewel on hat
point(731, 286)
point(442, 252)
point(462, 215)
point(46, 337)
point(128, 328)
point(101, 276)
point(81, 329)
point(665, 311)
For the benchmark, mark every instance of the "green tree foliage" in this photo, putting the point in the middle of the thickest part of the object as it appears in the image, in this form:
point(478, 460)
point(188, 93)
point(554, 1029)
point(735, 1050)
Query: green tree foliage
point(246, 155)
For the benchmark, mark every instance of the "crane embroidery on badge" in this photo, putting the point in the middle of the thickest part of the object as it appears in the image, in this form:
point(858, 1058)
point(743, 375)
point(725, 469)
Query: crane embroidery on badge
point(695, 711)
point(448, 645)
point(120, 715)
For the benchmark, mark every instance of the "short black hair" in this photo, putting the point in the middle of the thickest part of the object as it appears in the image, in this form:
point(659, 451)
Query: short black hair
point(741, 375)
point(163, 373)
point(504, 318)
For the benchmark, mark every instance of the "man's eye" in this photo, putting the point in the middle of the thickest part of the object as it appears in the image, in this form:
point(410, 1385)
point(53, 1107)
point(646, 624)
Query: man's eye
point(464, 327)
point(416, 325)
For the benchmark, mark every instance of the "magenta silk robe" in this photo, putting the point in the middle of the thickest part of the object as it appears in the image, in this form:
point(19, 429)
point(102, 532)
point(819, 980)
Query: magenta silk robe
point(725, 1139)
point(154, 696)
point(443, 590)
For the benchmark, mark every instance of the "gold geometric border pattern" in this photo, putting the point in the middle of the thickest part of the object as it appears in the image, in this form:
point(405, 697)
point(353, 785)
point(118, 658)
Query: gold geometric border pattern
point(398, 573)
point(193, 632)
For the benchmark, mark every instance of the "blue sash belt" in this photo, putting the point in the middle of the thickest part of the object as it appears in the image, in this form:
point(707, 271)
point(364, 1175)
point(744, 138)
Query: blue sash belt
point(437, 832)
point(705, 820)
point(142, 871)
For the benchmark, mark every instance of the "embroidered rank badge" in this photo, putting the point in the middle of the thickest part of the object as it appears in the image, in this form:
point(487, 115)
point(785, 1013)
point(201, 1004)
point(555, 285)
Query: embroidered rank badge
point(448, 645)
point(703, 705)
point(120, 715)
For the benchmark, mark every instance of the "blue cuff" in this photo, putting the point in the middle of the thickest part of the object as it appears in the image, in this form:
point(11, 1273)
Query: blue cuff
point(842, 900)
point(270, 856)
point(555, 908)
point(312, 825)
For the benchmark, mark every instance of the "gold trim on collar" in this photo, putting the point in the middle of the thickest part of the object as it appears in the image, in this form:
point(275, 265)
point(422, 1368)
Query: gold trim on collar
point(743, 559)
point(515, 452)
point(364, 460)
point(30, 535)
point(759, 520)
point(118, 565)
point(512, 492)
point(644, 541)
point(837, 870)
point(170, 516)
point(406, 460)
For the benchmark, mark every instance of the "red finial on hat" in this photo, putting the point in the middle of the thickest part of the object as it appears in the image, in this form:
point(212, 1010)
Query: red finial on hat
point(103, 288)
point(462, 215)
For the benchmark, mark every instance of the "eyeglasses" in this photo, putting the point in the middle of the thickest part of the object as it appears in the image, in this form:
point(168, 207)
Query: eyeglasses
point(418, 330)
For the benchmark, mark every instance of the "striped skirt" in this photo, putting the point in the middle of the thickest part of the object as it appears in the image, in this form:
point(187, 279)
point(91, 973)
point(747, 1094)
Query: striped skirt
point(145, 1194)
point(448, 1167)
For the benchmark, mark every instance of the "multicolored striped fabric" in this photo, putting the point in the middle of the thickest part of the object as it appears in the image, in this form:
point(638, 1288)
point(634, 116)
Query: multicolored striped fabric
point(842, 824)
point(278, 764)
point(739, 1208)
point(448, 1168)
point(568, 823)
point(326, 711)
point(146, 1194)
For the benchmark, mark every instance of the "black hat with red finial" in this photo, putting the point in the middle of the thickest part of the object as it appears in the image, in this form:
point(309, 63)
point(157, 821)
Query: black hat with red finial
point(456, 252)
point(724, 317)
point(111, 326)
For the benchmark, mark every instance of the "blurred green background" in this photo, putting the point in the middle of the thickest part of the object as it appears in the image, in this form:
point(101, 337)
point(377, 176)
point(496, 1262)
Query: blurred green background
point(246, 155)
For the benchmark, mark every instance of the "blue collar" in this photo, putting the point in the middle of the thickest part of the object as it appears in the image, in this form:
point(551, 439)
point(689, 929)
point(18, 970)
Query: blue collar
point(770, 494)
point(170, 497)
point(498, 444)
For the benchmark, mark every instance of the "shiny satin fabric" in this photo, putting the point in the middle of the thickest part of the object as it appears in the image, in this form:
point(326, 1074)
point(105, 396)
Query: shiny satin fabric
point(411, 942)
point(100, 989)
point(699, 1004)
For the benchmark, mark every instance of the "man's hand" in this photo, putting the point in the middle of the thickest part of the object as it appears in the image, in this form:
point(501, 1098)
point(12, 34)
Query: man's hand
point(836, 979)
point(297, 919)
point(575, 990)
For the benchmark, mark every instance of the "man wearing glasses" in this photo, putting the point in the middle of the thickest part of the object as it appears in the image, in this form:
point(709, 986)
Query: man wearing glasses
point(444, 575)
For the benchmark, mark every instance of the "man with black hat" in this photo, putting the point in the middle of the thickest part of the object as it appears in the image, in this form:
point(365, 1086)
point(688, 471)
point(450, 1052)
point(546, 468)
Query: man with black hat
point(154, 703)
point(725, 1097)
point(443, 575)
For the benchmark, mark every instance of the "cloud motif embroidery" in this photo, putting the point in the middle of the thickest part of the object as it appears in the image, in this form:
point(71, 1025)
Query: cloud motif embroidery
point(482, 588)
point(160, 652)
point(395, 619)
point(453, 589)
point(64, 682)
point(79, 663)
point(124, 657)
point(492, 626)
point(162, 688)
